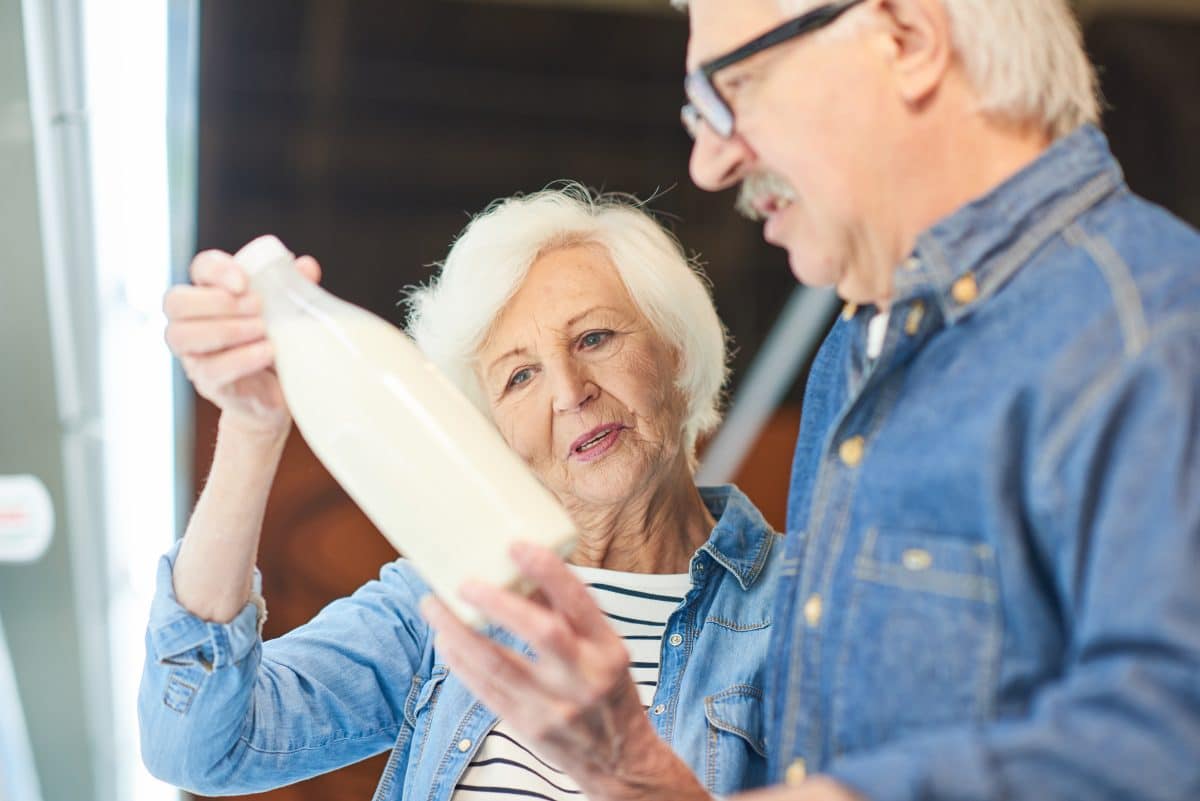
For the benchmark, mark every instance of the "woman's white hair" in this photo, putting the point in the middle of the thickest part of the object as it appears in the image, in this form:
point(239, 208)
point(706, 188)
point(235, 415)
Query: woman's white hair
point(451, 316)
point(1025, 59)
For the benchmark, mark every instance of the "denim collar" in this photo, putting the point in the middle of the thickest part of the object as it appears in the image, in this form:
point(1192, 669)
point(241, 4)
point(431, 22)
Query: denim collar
point(964, 259)
point(741, 540)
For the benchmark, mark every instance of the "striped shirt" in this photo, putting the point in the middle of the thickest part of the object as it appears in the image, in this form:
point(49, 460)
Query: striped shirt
point(637, 605)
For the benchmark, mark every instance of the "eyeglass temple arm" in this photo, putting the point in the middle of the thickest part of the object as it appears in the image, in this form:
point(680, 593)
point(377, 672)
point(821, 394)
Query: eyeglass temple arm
point(817, 18)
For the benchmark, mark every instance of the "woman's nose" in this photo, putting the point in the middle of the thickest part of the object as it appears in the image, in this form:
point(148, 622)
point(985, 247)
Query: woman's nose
point(718, 163)
point(573, 389)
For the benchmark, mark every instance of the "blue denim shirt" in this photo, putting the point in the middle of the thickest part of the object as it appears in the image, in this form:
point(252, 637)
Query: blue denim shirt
point(224, 713)
point(991, 585)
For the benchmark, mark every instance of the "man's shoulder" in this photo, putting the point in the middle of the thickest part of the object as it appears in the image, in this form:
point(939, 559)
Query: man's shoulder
point(1149, 260)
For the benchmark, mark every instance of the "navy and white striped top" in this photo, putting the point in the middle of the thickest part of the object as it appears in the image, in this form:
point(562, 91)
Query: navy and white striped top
point(638, 605)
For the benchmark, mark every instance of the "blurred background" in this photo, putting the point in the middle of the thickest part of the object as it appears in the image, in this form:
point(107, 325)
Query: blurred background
point(134, 133)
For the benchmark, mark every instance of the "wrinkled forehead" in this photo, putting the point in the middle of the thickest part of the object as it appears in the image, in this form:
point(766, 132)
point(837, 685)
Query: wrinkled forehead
point(718, 26)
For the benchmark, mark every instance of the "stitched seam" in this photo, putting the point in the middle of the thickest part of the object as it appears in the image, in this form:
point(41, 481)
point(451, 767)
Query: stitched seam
point(732, 626)
point(336, 740)
point(1119, 278)
point(1060, 438)
point(887, 400)
point(458, 735)
point(934, 582)
point(388, 779)
point(1062, 215)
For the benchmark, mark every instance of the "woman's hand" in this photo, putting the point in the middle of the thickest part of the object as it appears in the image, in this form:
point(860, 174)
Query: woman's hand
point(215, 327)
point(576, 703)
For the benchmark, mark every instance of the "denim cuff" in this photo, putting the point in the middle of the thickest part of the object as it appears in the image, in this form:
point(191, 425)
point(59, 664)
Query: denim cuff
point(178, 637)
point(942, 768)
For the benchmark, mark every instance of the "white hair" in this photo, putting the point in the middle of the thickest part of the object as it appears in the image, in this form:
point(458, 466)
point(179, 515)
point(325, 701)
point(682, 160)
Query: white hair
point(1024, 58)
point(451, 316)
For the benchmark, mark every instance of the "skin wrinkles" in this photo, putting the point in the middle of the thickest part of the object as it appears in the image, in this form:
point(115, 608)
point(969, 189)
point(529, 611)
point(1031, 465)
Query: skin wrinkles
point(586, 356)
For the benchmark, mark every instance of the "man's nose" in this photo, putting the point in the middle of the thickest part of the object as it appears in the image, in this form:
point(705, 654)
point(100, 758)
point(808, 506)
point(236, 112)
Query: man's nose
point(573, 387)
point(718, 163)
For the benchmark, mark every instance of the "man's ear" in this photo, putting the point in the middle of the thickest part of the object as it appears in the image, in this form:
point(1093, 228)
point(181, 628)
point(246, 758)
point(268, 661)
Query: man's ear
point(918, 43)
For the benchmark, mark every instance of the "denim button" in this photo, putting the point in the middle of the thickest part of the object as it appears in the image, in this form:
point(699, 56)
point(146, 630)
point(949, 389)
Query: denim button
point(464, 745)
point(797, 772)
point(851, 451)
point(676, 640)
point(812, 610)
point(658, 710)
point(912, 323)
point(916, 559)
point(965, 290)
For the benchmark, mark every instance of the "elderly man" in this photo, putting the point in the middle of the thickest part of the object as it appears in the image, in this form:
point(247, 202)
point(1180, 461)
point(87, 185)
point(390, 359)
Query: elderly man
point(991, 584)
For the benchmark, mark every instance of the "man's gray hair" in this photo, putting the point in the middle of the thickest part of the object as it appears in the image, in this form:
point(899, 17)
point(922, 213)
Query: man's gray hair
point(1025, 59)
point(451, 316)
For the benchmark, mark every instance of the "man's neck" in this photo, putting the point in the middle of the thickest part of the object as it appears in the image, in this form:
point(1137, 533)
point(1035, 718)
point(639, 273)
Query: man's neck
point(943, 165)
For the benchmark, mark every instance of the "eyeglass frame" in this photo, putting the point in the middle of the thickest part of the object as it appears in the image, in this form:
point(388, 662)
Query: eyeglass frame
point(698, 85)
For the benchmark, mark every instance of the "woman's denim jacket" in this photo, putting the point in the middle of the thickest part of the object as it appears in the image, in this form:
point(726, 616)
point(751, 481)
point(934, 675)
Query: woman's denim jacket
point(224, 713)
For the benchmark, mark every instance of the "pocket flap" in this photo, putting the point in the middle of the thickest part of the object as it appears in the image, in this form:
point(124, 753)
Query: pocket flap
point(738, 710)
point(421, 691)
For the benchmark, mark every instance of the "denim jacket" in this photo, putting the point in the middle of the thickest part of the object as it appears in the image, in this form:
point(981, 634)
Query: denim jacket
point(991, 584)
point(224, 713)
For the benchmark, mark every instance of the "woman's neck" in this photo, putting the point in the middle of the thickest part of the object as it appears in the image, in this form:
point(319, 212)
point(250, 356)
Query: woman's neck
point(657, 532)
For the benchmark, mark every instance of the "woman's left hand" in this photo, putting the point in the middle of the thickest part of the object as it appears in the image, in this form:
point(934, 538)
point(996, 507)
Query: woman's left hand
point(575, 703)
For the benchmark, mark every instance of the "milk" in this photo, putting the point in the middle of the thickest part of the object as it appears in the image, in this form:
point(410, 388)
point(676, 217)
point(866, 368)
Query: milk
point(429, 470)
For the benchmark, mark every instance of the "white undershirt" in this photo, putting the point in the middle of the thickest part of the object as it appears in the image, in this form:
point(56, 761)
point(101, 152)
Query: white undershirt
point(876, 334)
point(637, 605)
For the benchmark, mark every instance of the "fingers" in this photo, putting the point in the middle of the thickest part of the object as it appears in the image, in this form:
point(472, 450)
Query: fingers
point(202, 337)
point(548, 633)
point(187, 302)
point(499, 677)
point(211, 372)
point(218, 269)
point(565, 593)
point(309, 268)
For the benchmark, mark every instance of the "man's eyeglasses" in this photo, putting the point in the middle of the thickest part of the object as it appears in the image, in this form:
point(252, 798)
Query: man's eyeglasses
point(705, 103)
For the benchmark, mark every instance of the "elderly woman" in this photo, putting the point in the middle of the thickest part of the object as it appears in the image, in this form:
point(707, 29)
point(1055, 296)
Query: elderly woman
point(577, 324)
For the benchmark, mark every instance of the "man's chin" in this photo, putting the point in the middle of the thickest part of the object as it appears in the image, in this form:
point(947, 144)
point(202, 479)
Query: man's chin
point(809, 272)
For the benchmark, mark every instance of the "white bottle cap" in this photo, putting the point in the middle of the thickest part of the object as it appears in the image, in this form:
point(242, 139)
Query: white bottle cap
point(261, 252)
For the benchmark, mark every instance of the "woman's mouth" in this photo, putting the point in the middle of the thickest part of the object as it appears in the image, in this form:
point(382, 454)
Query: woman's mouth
point(597, 442)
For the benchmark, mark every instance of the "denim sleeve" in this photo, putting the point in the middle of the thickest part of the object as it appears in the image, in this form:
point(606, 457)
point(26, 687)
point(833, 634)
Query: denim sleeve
point(223, 713)
point(1118, 486)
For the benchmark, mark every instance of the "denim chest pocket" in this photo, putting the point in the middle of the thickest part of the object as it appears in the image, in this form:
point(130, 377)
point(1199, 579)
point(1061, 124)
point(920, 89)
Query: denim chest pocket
point(920, 639)
point(736, 751)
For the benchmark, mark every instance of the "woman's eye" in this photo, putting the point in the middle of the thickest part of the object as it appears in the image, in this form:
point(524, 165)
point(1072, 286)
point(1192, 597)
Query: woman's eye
point(594, 339)
point(520, 377)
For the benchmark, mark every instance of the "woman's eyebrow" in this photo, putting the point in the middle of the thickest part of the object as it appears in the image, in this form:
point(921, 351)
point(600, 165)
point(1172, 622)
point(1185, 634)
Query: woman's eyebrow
point(517, 351)
point(584, 314)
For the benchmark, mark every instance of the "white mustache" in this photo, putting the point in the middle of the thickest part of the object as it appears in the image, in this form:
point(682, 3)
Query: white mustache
point(759, 185)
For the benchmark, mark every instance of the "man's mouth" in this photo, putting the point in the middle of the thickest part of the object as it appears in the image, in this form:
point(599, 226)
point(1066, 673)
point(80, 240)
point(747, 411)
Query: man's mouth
point(764, 194)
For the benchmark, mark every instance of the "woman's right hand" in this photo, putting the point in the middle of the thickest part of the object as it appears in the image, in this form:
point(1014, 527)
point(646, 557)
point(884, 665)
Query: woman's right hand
point(216, 329)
